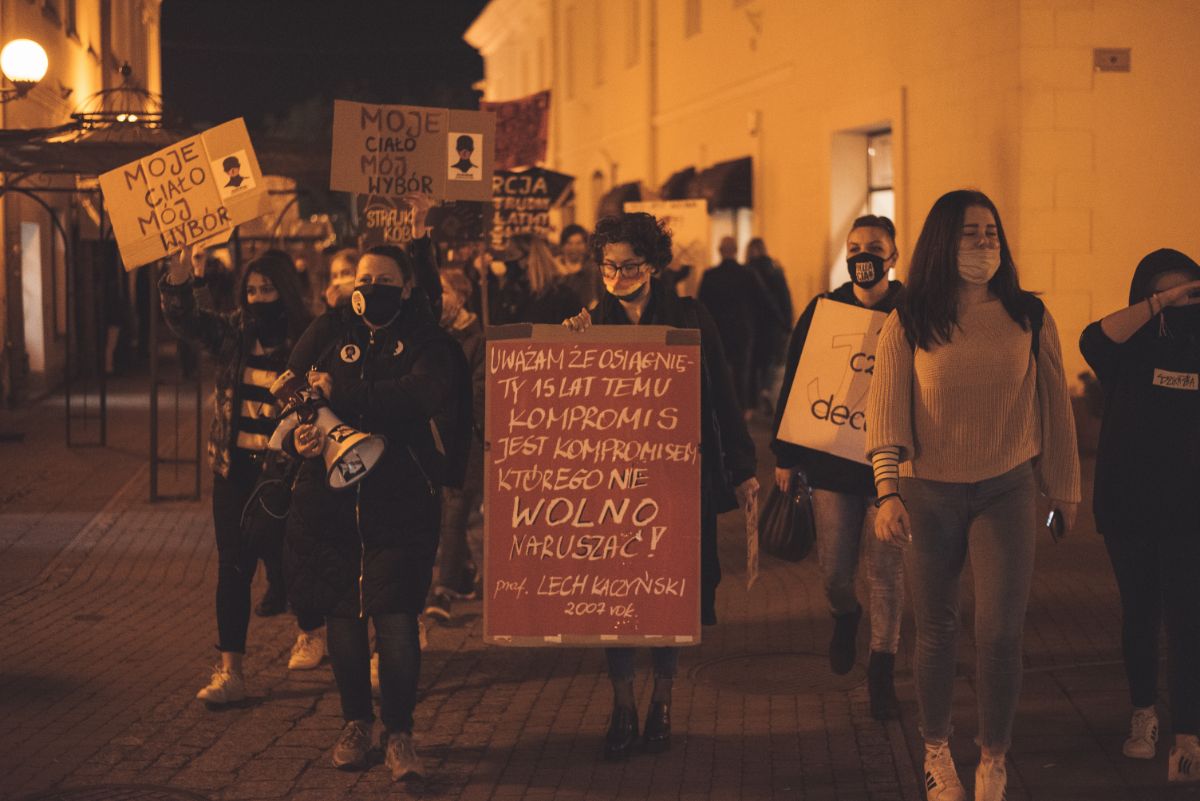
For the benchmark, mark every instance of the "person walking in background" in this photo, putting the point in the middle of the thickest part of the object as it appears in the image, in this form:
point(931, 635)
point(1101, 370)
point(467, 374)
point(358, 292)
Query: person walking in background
point(772, 336)
point(736, 299)
point(341, 278)
point(251, 346)
point(1146, 499)
point(968, 416)
point(843, 492)
point(579, 273)
point(527, 288)
point(631, 250)
point(458, 559)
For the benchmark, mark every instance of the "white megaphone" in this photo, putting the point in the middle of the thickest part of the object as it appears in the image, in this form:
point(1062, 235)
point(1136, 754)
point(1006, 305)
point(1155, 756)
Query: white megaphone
point(349, 454)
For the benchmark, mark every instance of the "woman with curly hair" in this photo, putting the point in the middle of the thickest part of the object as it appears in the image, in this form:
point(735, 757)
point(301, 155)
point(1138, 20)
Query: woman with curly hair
point(632, 250)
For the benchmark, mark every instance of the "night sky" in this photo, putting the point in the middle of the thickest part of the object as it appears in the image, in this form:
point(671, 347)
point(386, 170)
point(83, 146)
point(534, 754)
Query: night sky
point(280, 63)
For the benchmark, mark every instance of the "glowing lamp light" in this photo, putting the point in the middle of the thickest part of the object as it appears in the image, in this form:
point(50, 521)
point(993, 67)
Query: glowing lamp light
point(24, 63)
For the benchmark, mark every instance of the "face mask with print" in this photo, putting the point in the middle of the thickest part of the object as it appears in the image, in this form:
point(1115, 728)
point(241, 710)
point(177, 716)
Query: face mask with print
point(866, 269)
point(378, 304)
point(979, 265)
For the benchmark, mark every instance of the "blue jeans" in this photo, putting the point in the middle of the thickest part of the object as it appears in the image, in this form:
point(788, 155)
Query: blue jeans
point(843, 521)
point(620, 662)
point(994, 521)
point(398, 643)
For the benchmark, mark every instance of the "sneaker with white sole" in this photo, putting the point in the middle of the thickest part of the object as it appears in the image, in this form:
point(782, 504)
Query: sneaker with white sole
point(223, 688)
point(307, 652)
point(1184, 763)
point(439, 605)
point(991, 780)
point(401, 757)
point(941, 778)
point(1143, 735)
point(350, 752)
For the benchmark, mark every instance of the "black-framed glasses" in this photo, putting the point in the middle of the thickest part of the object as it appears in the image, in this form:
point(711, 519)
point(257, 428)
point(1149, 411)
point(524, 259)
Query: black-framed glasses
point(629, 269)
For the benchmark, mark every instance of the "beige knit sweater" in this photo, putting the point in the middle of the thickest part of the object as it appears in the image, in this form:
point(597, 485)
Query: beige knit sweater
point(977, 407)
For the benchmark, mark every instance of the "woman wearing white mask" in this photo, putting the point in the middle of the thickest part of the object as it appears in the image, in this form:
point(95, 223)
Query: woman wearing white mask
point(968, 418)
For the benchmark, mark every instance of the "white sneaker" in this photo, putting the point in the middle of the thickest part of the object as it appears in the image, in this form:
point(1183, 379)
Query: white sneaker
point(375, 674)
point(223, 688)
point(308, 652)
point(991, 780)
point(1143, 734)
point(1184, 763)
point(941, 779)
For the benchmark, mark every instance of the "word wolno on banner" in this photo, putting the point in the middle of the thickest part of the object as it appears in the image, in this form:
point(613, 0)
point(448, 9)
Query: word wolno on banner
point(827, 407)
point(400, 150)
point(194, 191)
point(592, 530)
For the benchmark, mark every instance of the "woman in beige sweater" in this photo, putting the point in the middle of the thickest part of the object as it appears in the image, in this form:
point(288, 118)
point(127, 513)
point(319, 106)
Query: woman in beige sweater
point(968, 418)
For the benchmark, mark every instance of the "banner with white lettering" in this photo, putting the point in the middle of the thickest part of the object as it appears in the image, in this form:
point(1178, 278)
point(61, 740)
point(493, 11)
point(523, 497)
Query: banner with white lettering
point(592, 493)
point(194, 191)
point(401, 150)
point(827, 407)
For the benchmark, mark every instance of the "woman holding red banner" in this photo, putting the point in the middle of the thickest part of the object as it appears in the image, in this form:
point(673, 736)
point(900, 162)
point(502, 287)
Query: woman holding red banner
point(843, 492)
point(632, 250)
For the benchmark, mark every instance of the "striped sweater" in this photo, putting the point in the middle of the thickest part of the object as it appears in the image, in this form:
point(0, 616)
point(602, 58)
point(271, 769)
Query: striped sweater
point(976, 407)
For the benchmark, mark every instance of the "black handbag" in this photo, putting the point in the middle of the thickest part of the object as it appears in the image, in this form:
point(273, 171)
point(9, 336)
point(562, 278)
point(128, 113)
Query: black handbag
point(785, 525)
point(264, 517)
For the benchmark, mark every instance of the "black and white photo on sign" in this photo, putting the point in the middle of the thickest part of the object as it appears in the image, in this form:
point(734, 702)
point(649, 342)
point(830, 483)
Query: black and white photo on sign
point(233, 174)
point(466, 153)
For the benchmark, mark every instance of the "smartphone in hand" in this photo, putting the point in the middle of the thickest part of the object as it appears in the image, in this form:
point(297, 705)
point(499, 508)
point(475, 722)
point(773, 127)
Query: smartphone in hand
point(1056, 524)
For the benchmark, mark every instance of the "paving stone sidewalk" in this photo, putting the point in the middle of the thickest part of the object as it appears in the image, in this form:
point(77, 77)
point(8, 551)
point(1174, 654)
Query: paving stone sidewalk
point(103, 646)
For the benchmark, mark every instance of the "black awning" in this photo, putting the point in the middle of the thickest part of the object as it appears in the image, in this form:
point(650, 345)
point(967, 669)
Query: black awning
point(729, 184)
point(614, 200)
point(681, 185)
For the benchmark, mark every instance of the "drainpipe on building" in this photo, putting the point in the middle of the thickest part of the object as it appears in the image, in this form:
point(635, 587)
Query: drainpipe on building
point(652, 124)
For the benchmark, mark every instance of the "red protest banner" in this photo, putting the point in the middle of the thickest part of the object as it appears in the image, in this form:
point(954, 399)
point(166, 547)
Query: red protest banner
point(522, 129)
point(592, 471)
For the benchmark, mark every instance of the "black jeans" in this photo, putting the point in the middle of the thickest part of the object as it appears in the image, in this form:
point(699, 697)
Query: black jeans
point(236, 564)
point(397, 640)
point(1157, 581)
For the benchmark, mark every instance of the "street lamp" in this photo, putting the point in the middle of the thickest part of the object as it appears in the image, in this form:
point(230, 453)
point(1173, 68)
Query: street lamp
point(24, 63)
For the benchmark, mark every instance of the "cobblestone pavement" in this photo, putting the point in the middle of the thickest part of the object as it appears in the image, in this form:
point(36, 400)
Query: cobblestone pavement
point(106, 632)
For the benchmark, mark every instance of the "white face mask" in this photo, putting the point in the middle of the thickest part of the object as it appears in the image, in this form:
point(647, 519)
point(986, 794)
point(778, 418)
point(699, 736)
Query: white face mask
point(978, 266)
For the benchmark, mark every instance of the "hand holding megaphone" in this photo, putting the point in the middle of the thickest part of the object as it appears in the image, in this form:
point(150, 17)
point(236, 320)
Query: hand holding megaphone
point(309, 440)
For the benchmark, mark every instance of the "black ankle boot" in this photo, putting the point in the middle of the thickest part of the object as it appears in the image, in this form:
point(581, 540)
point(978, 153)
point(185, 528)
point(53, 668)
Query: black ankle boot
point(622, 733)
point(657, 736)
point(842, 645)
point(881, 686)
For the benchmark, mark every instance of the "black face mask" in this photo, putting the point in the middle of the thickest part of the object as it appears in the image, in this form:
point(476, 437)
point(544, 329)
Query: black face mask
point(866, 269)
point(378, 304)
point(270, 321)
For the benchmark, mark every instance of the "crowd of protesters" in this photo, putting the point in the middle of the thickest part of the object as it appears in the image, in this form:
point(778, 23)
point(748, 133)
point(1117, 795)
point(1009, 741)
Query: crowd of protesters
point(969, 420)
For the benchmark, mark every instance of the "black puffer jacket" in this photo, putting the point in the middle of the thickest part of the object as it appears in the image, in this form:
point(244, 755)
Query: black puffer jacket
point(370, 549)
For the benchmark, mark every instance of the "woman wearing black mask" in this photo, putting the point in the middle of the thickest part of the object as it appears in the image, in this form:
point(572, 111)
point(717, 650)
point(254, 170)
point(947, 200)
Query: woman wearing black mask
point(251, 347)
point(1147, 357)
point(843, 492)
point(367, 552)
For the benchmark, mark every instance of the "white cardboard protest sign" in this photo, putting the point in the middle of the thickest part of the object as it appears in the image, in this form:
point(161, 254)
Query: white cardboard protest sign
point(689, 224)
point(194, 191)
point(827, 407)
point(400, 150)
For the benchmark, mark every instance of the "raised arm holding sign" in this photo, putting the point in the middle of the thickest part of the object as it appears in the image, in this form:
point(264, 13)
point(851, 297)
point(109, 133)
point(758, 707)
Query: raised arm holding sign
point(194, 191)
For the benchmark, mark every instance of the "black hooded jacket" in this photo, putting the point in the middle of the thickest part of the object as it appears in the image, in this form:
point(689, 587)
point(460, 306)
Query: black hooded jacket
point(824, 470)
point(1148, 464)
point(369, 549)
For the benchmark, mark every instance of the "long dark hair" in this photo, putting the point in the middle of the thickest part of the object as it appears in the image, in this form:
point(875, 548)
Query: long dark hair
point(930, 308)
point(279, 268)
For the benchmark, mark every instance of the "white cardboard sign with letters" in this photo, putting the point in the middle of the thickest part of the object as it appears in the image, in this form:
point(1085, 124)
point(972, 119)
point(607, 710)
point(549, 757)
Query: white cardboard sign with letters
point(827, 407)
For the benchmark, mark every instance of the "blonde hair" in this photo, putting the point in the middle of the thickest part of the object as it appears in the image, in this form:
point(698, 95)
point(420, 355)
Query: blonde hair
point(541, 271)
